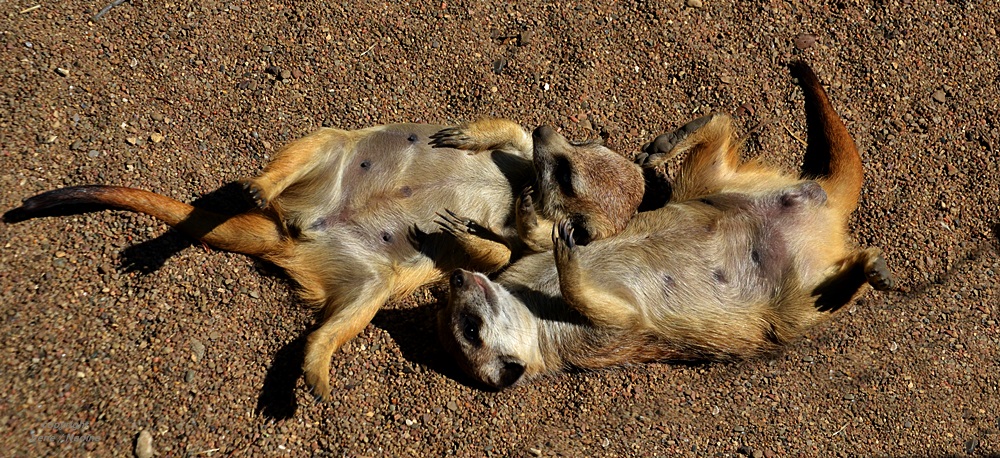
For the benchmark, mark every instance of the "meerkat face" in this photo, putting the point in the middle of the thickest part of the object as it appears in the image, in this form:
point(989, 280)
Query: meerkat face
point(596, 188)
point(491, 335)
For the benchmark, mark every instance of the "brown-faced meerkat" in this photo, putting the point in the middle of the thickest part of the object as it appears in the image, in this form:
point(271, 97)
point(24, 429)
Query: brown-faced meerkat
point(741, 260)
point(338, 210)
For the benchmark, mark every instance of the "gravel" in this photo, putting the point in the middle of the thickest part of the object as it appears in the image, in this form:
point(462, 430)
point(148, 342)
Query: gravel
point(177, 97)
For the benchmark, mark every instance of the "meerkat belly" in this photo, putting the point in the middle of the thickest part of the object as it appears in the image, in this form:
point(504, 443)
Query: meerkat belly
point(677, 275)
point(393, 180)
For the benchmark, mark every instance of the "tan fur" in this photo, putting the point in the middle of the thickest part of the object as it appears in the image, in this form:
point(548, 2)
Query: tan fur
point(354, 216)
point(742, 260)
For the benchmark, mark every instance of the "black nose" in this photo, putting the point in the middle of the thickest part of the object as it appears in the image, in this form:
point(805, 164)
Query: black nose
point(544, 134)
point(511, 373)
point(458, 278)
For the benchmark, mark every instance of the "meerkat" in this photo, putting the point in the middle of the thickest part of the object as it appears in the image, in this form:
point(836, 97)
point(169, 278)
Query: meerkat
point(742, 259)
point(339, 211)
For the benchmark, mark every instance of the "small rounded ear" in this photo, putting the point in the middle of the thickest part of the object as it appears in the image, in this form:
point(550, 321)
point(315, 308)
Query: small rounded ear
point(511, 373)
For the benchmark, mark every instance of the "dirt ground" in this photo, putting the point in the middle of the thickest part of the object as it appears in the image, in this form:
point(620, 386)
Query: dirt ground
point(113, 324)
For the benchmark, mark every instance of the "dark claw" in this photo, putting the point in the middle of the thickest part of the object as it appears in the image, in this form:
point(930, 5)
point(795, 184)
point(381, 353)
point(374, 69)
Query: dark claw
point(527, 203)
point(416, 236)
point(566, 233)
point(254, 193)
point(450, 137)
point(453, 224)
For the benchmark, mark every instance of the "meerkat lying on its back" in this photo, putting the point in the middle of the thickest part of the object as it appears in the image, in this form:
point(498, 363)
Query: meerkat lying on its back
point(743, 259)
point(338, 211)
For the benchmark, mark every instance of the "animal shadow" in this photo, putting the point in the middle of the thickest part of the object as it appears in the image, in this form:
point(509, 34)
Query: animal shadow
point(276, 400)
point(415, 332)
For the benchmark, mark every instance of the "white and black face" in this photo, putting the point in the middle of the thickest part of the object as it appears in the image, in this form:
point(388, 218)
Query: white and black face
point(487, 330)
point(595, 188)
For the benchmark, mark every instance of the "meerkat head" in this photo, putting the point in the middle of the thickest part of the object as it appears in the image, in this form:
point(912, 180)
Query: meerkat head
point(596, 188)
point(491, 335)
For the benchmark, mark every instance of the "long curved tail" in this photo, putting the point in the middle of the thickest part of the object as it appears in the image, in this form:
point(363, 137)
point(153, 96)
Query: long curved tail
point(249, 233)
point(831, 155)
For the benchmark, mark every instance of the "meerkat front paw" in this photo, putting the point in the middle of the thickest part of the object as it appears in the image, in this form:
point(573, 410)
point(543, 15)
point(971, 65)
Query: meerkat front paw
point(878, 273)
point(563, 243)
point(255, 192)
point(453, 137)
point(459, 226)
point(525, 209)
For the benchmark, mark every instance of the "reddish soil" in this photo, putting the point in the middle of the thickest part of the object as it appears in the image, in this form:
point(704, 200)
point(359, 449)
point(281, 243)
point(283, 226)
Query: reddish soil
point(113, 324)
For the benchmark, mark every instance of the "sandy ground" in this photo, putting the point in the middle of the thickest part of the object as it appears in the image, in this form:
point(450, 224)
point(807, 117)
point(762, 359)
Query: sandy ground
point(114, 324)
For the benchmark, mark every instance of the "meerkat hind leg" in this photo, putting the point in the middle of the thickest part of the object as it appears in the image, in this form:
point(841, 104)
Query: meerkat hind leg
point(597, 304)
point(860, 267)
point(341, 323)
point(663, 147)
point(292, 163)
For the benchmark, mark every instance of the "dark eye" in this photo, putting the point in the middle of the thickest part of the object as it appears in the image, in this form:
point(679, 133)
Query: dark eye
point(563, 174)
point(470, 329)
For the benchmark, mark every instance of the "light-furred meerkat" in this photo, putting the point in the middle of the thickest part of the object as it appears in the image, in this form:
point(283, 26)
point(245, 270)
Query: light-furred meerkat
point(338, 210)
point(741, 260)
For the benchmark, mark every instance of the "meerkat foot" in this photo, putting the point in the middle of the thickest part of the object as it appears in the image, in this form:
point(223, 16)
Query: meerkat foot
point(317, 377)
point(453, 137)
point(661, 148)
point(255, 192)
point(878, 273)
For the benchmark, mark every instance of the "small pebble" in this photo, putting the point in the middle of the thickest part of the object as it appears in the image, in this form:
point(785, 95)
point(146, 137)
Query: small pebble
point(805, 41)
point(452, 406)
point(499, 65)
point(695, 3)
point(156, 137)
point(524, 38)
point(144, 445)
point(970, 445)
point(62, 71)
point(939, 96)
point(198, 349)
